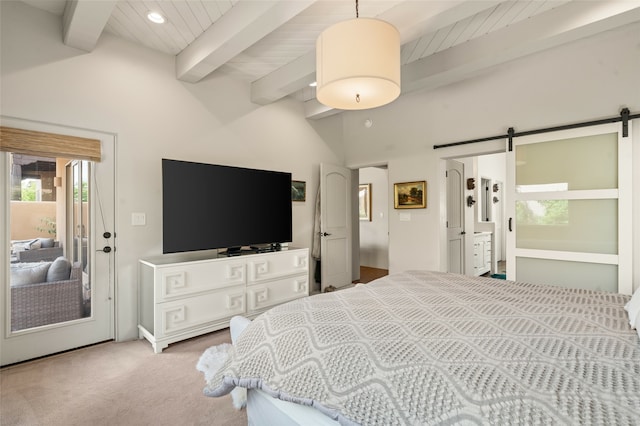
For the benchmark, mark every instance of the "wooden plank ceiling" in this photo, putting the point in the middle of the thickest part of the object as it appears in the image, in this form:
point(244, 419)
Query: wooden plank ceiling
point(271, 43)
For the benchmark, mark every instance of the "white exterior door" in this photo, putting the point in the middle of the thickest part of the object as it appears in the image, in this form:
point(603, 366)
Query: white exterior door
point(455, 217)
point(335, 228)
point(96, 194)
point(569, 209)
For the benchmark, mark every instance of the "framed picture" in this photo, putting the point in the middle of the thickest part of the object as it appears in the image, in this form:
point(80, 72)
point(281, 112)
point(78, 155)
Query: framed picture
point(298, 190)
point(410, 195)
point(364, 201)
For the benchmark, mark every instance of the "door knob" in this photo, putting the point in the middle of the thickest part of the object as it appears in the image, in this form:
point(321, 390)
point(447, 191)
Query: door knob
point(463, 233)
point(324, 234)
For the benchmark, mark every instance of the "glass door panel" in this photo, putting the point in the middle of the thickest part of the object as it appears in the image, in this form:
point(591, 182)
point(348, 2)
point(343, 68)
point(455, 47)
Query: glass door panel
point(589, 162)
point(589, 226)
point(45, 288)
point(78, 173)
point(590, 276)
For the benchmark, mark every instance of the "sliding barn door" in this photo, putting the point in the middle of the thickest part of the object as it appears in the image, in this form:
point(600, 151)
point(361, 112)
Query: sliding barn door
point(569, 209)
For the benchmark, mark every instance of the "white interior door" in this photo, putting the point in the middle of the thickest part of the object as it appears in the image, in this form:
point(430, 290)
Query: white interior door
point(569, 209)
point(335, 226)
point(455, 217)
point(96, 194)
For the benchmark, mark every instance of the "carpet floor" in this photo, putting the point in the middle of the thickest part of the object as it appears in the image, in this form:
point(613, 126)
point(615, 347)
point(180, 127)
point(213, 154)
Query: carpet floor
point(116, 384)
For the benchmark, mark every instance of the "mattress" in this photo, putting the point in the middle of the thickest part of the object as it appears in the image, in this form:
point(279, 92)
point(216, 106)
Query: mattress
point(427, 347)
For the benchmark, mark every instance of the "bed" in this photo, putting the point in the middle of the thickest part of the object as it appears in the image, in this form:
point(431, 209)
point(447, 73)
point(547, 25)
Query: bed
point(427, 347)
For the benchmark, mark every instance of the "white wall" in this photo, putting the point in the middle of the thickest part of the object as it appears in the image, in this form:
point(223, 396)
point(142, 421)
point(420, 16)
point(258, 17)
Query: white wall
point(374, 234)
point(131, 91)
point(584, 80)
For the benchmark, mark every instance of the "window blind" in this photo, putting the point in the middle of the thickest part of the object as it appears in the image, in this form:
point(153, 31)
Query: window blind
point(48, 144)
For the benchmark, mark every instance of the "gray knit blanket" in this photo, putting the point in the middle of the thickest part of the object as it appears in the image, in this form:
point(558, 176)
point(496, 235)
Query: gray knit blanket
point(435, 348)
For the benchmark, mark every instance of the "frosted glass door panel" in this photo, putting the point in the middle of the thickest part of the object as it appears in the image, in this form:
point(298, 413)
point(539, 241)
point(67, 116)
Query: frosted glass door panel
point(589, 226)
point(589, 162)
point(590, 276)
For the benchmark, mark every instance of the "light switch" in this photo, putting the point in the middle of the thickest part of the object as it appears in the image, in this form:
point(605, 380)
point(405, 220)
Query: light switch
point(138, 219)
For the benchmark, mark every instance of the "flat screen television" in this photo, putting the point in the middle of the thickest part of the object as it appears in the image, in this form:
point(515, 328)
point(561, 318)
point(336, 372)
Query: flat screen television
point(208, 206)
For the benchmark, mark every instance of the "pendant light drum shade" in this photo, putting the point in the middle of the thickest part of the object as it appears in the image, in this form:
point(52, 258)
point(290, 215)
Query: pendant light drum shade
point(358, 64)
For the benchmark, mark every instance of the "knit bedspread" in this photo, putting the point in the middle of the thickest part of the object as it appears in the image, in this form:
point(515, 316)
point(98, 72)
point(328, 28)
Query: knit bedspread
point(436, 348)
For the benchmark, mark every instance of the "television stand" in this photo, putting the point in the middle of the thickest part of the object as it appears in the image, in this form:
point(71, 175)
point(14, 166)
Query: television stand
point(186, 296)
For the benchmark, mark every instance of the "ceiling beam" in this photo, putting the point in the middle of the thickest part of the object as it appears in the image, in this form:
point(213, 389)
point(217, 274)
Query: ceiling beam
point(550, 29)
point(242, 26)
point(412, 18)
point(314, 110)
point(417, 18)
point(83, 22)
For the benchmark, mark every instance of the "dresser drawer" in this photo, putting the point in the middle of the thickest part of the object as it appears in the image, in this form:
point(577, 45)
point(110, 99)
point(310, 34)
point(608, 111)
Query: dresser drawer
point(183, 280)
point(181, 315)
point(265, 295)
point(276, 265)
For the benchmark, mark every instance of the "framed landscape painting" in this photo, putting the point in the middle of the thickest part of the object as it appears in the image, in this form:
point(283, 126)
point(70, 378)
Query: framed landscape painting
point(410, 195)
point(298, 190)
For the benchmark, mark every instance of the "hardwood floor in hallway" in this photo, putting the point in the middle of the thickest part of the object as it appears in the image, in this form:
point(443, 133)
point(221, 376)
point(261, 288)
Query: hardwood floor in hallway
point(368, 274)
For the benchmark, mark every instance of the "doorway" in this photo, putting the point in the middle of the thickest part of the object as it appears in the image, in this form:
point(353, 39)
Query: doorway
point(57, 291)
point(373, 207)
point(482, 198)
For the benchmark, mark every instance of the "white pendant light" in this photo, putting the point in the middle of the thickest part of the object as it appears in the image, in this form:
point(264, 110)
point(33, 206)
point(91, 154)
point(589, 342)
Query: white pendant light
point(358, 64)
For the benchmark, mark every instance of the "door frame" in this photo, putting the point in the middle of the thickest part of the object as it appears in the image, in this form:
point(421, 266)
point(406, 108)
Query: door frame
point(356, 234)
point(495, 146)
point(57, 338)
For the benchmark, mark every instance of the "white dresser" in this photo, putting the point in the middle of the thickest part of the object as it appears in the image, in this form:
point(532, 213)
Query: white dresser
point(186, 295)
point(481, 252)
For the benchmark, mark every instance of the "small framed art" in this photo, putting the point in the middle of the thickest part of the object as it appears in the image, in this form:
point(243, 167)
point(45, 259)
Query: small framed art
point(364, 201)
point(410, 195)
point(298, 190)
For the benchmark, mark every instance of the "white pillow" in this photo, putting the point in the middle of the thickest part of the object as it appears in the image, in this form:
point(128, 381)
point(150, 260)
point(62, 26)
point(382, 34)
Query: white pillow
point(35, 244)
point(633, 308)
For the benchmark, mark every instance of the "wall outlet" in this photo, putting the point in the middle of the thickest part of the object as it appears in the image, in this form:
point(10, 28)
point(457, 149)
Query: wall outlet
point(138, 219)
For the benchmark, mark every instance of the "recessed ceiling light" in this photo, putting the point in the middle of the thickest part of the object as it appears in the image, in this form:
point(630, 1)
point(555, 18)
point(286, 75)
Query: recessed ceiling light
point(314, 84)
point(156, 17)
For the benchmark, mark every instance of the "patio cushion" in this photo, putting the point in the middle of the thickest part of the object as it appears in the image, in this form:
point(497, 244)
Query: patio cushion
point(59, 270)
point(29, 273)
